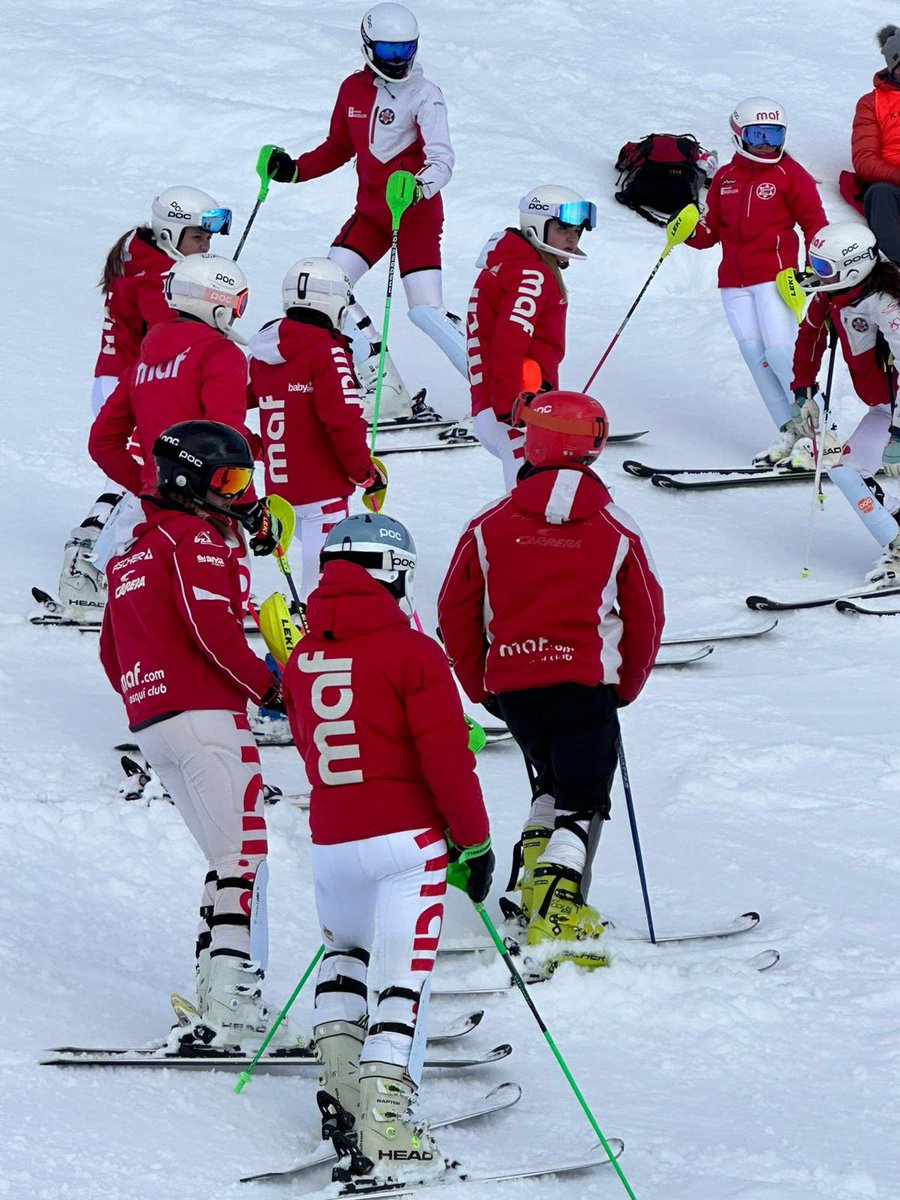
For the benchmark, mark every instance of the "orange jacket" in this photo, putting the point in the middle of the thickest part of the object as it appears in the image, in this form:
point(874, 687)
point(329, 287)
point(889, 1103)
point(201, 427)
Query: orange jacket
point(875, 148)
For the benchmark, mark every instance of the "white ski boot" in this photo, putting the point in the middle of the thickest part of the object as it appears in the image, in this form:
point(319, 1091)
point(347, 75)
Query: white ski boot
point(400, 1149)
point(395, 399)
point(887, 569)
point(233, 1008)
point(82, 588)
point(782, 446)
point(803, 455)
point(338, 1047)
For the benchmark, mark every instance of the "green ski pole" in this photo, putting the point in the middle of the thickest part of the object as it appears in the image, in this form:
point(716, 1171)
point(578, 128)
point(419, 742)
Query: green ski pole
point(244, 1076)
point(399, 193)
point(262, 164)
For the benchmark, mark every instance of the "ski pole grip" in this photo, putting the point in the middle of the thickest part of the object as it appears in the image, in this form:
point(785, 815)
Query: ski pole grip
point(399, 193)
point(682, 225)
point(262, 170)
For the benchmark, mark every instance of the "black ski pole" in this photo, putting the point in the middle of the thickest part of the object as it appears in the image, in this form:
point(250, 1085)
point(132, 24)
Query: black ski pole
point(629, 801)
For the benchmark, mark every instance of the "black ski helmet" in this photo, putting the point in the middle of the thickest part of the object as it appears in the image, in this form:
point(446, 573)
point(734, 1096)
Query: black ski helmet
point(202, 462)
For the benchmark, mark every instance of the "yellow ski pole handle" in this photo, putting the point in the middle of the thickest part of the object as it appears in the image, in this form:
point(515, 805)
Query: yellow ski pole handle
point(790, 291)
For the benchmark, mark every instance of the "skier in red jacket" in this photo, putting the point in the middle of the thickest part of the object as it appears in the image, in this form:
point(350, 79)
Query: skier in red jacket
point(376, 716)
point(552, 615)
point(182, 221)
point(188, 368)
point(517, 312)
point(173, 647)
point(754, 203)
point(875, 147)
point(313, 431)
point(390, 118)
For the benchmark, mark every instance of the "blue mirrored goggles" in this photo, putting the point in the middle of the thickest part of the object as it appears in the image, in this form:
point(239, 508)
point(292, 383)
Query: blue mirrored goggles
point(580, 213)
point(394, 51)
point(763, 135)
point(216, 220)
point(822, 267)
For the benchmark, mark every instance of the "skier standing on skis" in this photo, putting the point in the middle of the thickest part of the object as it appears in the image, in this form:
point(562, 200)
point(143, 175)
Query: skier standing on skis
point(173, 647)
point(182, 221)
point(189, 367)
point(552, 616)
point(391, 118)
point(377, 719)
point(754, 203)
point(858, 294)
point(311, 422)
point(517, 314)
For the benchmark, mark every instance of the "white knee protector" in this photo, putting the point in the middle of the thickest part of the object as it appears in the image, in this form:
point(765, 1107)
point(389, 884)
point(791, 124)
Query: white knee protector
point(445, 331)
point(873, 514)
point(259, 917)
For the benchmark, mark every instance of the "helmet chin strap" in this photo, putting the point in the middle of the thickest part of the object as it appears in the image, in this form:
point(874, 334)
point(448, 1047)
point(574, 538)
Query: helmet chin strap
point(225, 326)
point(164, 241)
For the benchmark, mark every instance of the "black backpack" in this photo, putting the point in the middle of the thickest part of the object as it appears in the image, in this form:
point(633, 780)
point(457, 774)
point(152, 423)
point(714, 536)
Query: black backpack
point(660, 174)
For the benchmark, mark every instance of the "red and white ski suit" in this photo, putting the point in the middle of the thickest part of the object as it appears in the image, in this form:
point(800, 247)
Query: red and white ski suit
point(388, 126)
point(376, 716)
point(552, 584)
point(173, 647)
point(134, 304)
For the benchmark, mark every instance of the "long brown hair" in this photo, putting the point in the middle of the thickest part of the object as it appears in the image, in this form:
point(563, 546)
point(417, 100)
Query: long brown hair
point(885, 278)
point(114, 267)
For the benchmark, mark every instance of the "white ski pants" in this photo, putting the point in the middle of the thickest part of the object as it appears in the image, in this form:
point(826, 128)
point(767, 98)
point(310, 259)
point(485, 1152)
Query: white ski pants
point(314, 523)
point(380, 902)
point(861, 460)
point(765, 329)
point(208, 762)
point(503, 442)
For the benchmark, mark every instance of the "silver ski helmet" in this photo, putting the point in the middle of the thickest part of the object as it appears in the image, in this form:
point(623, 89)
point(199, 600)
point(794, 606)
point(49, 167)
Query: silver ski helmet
point(179, 208)
point(378, 544)
point(390, 39)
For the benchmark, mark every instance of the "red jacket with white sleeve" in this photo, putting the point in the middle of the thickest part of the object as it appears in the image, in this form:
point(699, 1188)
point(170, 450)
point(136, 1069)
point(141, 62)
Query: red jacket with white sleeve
point(858, 322)
point(753, 207)
point(310, 412)
point(517, 310)
point(552, 584)
point(134, 304)
point(172, 638)
point(186, 371)
point(377, 719)
point(387, 126)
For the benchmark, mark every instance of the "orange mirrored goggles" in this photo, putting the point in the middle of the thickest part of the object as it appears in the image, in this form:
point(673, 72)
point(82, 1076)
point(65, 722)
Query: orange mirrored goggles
point(231, 482)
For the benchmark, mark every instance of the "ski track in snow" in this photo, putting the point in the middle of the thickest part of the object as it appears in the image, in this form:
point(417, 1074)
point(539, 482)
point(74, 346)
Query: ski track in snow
point(764, 778)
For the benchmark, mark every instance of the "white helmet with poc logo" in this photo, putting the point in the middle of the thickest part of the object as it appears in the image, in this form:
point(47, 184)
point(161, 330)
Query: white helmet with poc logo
point(548, 202)
point(208, 287)
point(841, 256)
point(320, 285)
point(180, 208)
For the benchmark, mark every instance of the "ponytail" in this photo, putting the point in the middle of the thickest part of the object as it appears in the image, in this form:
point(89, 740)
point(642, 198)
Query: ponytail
point(114, 267)
point(884, 278)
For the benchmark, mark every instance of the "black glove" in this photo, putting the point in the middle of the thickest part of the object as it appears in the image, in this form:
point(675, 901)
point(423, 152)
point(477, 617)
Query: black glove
point(492, 704)
point(418, 193)
point(475, 874)
point(274, 698)
point(883, 357)
point(375, 482)
point(281, 167)
point(264, 529)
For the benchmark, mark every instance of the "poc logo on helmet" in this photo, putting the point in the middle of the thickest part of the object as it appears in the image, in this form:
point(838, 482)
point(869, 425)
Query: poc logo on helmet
point(850, 249)
point(173, 441)
point(197, 462)
point(224, 279)
point(537, 205)
point(178, 212)
point(390, 533)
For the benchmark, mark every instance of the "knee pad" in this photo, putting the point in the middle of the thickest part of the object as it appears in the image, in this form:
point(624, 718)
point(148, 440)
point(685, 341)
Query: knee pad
point(445, 330)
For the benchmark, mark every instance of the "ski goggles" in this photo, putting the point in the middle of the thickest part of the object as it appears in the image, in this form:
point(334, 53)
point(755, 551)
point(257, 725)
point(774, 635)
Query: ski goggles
point(822, 267)
point(394, 51)
point(764, 135)
point(324, 287)
point(216, 220)
point(236, 302)
point(230, 482)
point(579, 214)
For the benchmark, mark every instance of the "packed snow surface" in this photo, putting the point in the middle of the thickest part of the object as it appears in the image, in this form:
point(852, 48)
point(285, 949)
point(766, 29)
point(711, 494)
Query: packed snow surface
point(767, 777)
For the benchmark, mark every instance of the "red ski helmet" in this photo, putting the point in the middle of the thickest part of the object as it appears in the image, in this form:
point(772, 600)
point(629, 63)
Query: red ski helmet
point(563, 428)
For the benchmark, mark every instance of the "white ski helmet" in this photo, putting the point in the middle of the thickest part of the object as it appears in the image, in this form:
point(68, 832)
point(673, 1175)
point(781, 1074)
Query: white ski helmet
point(550, 200)
point(841, 256)
point(758, 124)
point(318, 284)
point(180, 208)
point(390, 39)
point(381, 545)
point(209, 287)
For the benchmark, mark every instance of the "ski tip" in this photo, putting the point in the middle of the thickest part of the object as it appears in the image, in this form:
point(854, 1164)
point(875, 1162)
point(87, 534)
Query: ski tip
point(508, 1092)
point(751, 916)
point(633, 467)
point(758, 603)
point(765, 960)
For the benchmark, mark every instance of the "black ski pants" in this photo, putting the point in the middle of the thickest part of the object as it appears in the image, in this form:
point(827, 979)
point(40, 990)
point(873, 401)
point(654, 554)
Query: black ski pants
point(882, 205)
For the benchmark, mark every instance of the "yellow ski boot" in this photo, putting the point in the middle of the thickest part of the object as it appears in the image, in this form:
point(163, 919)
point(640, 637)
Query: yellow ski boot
point(531, 847)
point(560, 915)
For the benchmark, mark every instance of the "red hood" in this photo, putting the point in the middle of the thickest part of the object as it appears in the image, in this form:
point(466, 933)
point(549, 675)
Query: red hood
point(166, 340)
point(560, 495)
point(143, 257)
point(512, 247)
point(280, 341)
point(349, 603)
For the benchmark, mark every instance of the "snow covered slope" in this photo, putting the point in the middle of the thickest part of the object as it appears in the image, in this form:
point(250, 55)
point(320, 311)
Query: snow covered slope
point(767, 777)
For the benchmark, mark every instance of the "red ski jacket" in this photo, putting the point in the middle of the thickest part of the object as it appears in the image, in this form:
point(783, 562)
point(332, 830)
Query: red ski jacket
point(858, 321)
point(172, 638)
point(552, 584)
point(875, 140)
point(753, 208)
point(313, 431)
point(517, 310)
point(386, 127)
point(376, 717)
point(134, 304)
point(186, 371)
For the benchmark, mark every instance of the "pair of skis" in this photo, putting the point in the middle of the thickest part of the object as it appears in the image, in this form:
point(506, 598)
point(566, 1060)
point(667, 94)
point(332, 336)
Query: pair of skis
point(460, 443)
point(848, 601)
point(708, 478)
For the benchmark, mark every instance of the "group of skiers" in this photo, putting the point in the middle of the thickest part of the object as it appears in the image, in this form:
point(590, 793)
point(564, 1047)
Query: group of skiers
point(551, 613)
